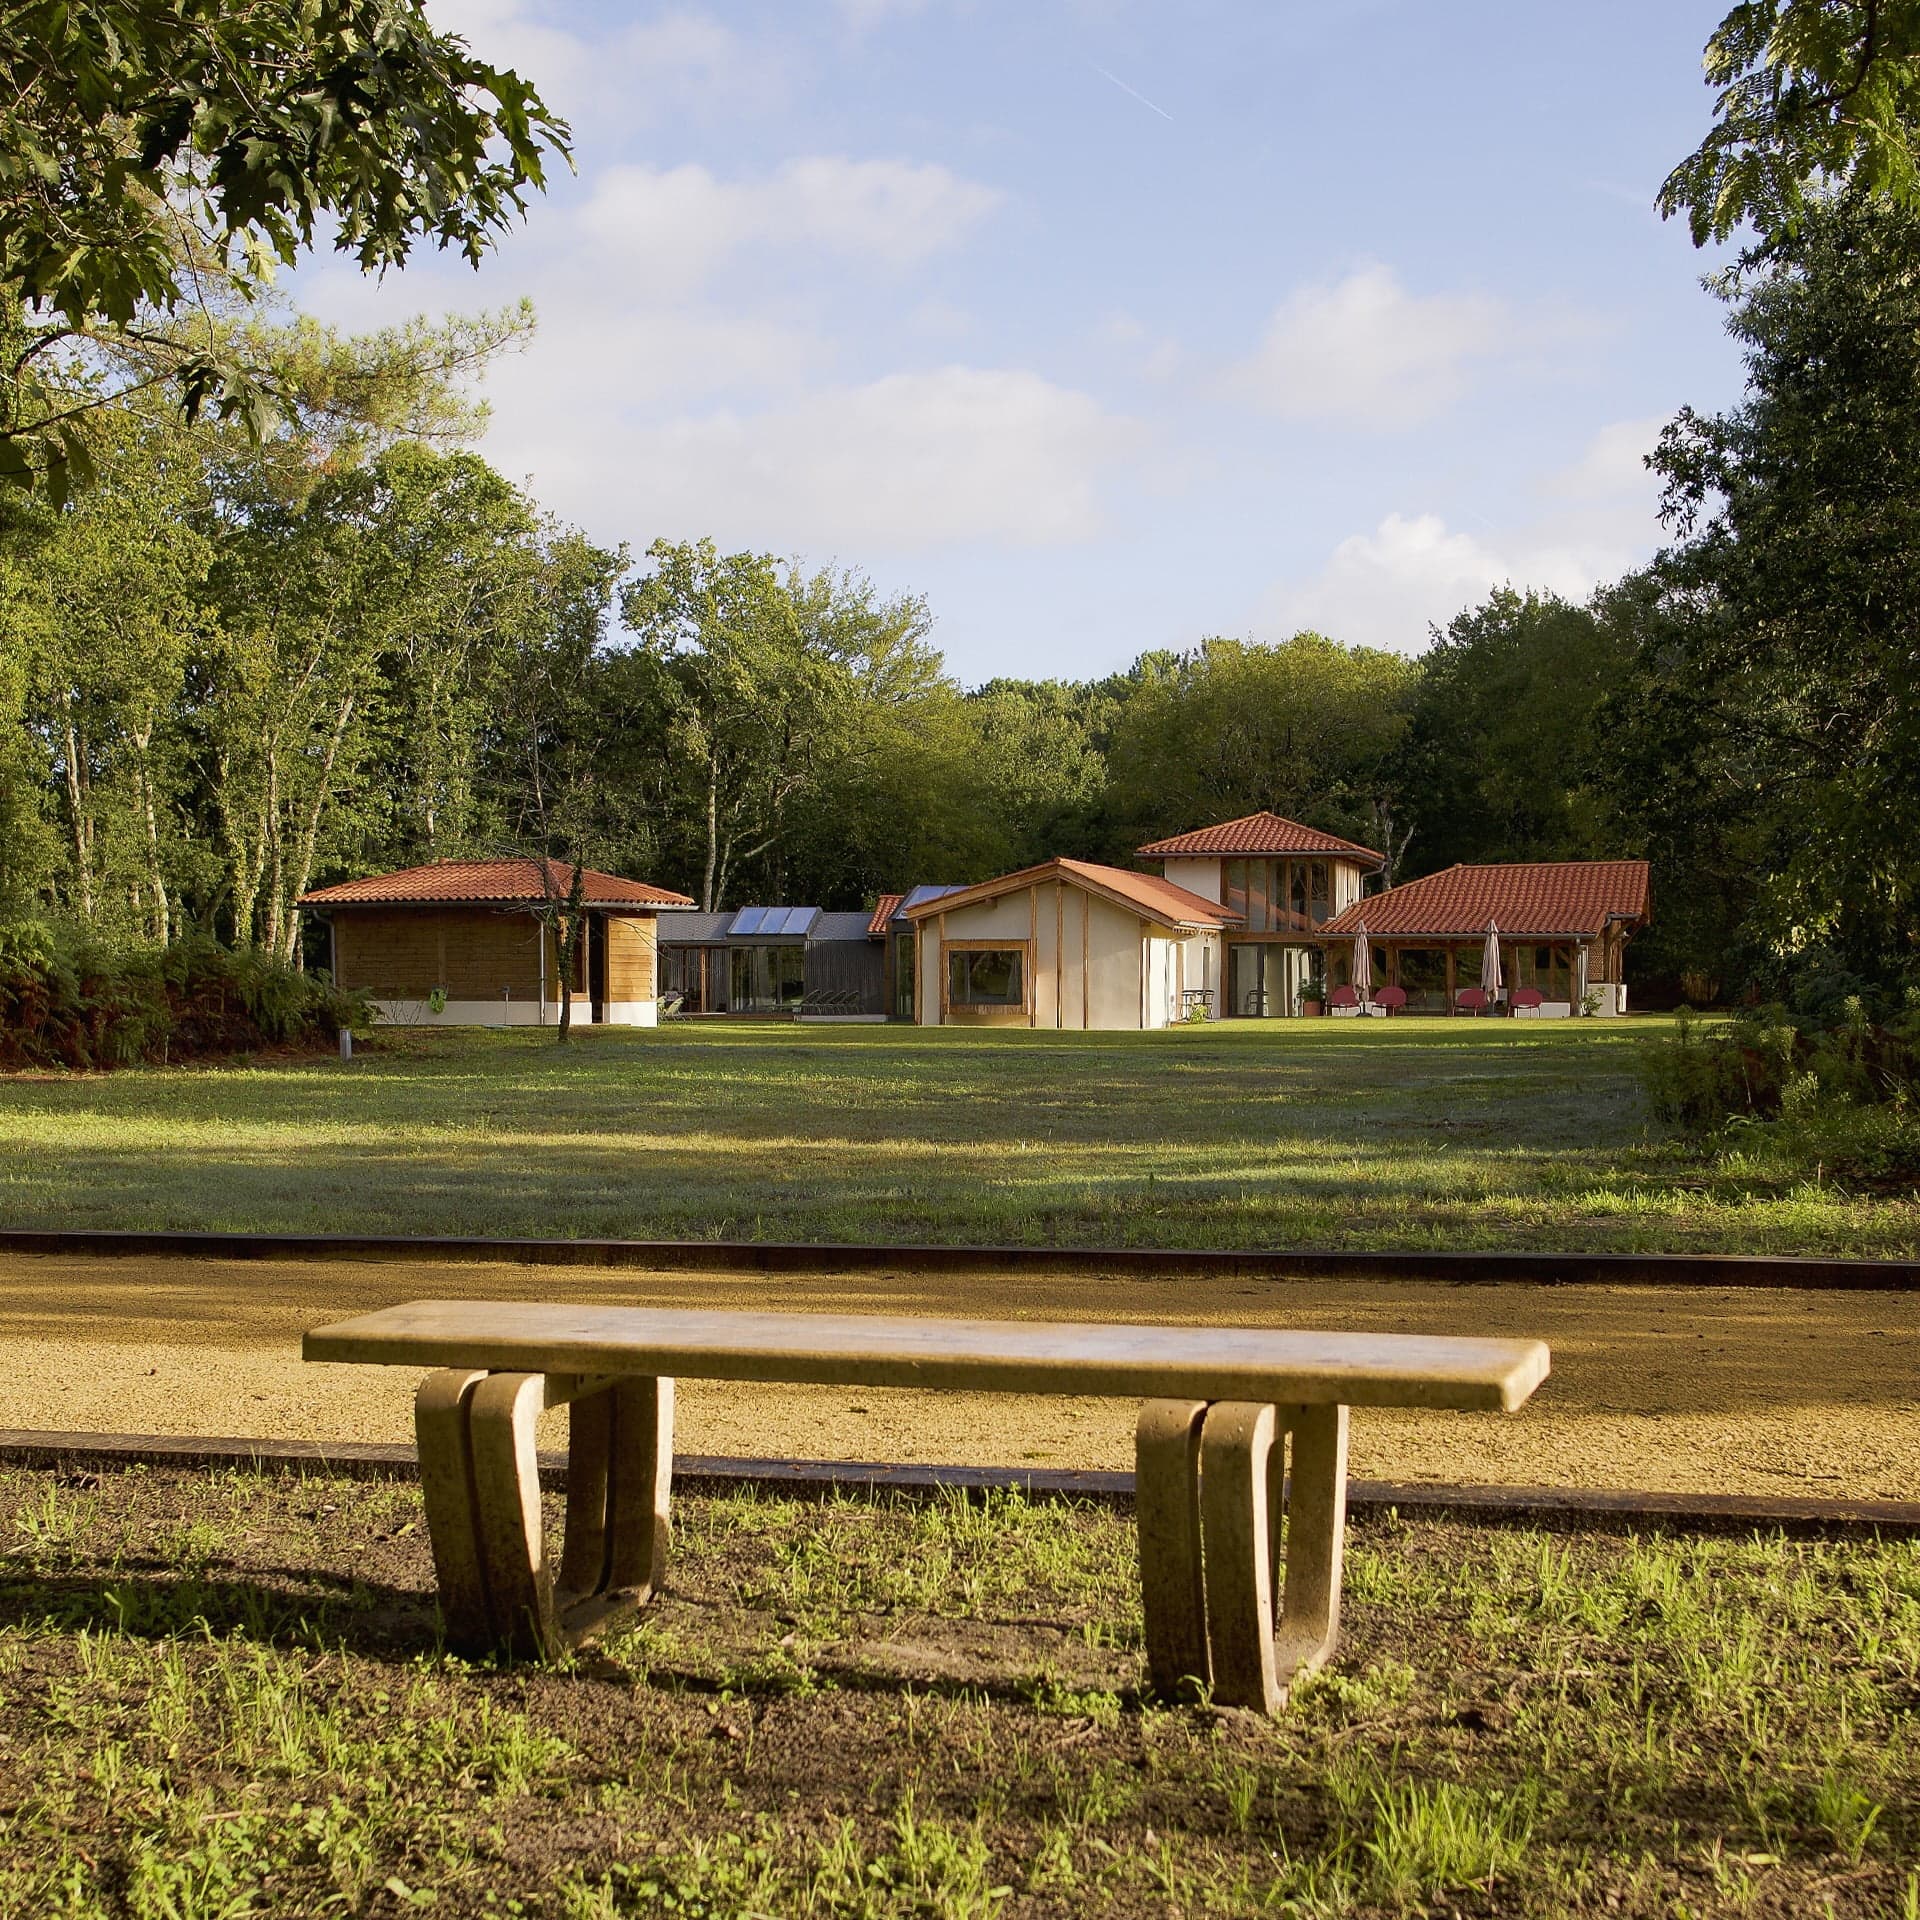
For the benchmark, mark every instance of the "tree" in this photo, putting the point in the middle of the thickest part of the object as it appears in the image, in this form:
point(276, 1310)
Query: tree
point(1783, 668)
point(155, 155)
point(1306, 728)
point(745, 693)
point(1499, 762)
point(1812, 92)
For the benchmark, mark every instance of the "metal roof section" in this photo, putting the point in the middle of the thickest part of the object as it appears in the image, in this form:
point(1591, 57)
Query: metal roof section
point(694, 929)
point(840, 926)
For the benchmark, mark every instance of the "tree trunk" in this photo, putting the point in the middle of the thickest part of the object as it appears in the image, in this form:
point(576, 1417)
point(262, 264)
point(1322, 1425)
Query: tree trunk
point(713, 834)
point(77, 810)
point(309, 840)
point(162, 916)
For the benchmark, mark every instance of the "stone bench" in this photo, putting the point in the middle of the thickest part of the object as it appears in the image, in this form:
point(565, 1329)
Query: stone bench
point(1223, 1408)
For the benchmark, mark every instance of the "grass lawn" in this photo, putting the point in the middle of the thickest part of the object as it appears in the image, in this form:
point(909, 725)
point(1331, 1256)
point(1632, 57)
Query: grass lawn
point(1445, 1133)
point(223, 1696)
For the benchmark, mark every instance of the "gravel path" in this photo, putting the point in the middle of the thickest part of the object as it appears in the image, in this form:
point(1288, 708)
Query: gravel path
point(1712, 1391)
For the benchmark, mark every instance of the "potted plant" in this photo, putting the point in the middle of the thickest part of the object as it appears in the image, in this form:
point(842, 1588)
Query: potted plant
point(1312, 997)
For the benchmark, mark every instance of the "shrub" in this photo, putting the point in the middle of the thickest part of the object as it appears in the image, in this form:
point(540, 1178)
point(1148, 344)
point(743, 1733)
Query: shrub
point(67, 1001)
point(1839, 1099)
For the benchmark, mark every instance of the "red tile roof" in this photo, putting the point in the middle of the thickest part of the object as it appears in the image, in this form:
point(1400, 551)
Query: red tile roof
point(889, 903)
point(1146, 894)
point(1258, 833)
point(1537, 897)
point(491, 881)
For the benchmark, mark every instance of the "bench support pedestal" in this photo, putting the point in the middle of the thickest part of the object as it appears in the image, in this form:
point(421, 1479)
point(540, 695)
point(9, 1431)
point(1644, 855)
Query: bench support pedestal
point(1210, 1485)
point(480, 1479)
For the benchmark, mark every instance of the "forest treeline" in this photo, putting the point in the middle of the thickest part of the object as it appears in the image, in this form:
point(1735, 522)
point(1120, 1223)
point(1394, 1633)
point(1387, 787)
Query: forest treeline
point(235, 669)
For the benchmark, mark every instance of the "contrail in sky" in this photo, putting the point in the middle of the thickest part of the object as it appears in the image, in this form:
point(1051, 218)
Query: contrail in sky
point(1135, 91)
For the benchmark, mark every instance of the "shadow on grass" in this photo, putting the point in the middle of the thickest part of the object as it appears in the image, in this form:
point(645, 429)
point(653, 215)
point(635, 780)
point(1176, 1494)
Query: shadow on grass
point(304, 1607)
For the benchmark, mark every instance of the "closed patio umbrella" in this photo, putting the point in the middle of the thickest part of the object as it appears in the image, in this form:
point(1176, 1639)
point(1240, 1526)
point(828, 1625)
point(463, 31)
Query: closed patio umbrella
point(1490, 982)
point(1362, 963)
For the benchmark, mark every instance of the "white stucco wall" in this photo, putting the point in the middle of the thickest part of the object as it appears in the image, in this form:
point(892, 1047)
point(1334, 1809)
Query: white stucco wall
point(1196, 874)
point(512, 1013)
point(1086, 956)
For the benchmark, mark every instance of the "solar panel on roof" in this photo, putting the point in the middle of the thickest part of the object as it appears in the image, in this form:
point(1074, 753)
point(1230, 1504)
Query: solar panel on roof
point(747, 920)
point(794, 919)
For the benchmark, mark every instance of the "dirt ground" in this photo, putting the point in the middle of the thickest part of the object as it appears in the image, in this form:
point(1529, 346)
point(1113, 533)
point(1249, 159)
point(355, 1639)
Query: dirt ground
point(1712, 1391)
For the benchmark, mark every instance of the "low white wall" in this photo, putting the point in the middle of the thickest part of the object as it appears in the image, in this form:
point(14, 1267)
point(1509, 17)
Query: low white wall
point(512, 1013)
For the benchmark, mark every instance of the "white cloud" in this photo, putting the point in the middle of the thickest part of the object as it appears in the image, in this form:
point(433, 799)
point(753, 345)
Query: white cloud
point(1365, 352)
point(678, 225)
point(1385, 588)
point(679, 63)
point(1612, 466)
point(912, 460)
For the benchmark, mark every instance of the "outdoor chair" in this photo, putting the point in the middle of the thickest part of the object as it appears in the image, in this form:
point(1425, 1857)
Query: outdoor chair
point(1472, 1000)
point(670, 1004)
point(1391, 1000)
point(1525, 999)
point(1343, 997)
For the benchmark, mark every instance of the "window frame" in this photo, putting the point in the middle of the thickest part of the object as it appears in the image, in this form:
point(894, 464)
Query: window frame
point(977, 1009)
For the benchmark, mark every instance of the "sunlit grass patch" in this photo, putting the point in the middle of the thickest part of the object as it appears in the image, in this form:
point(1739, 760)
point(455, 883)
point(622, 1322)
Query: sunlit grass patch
point(223, 1695)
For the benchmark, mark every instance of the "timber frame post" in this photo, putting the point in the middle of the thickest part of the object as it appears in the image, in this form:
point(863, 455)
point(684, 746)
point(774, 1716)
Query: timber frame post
point(480, 1481)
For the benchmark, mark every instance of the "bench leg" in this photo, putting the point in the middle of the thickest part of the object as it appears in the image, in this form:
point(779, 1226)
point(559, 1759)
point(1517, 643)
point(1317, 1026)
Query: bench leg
point(1242, 1452)
point(480, 1471)
point(1316, 1537)
point(1238, 1443)
point(1166, 1452)
point(440, 1410)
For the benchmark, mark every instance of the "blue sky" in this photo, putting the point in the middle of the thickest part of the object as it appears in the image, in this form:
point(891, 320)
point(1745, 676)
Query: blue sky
point(1106, 325)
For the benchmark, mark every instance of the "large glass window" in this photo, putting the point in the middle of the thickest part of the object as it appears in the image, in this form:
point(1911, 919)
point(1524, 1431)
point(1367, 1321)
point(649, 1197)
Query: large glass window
point(986, 977)
point(1320, 891)
point(1423, 973)
point(1550, 969)
point(1234, 876)
point(1297, 894)
point(766, 979)
point(903, 963)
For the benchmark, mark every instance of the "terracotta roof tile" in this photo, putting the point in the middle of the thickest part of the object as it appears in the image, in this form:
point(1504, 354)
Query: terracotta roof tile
point(889, 903)
point(1257, 833)
point(1524, 898)
point(1146, 893)
point(506, 881)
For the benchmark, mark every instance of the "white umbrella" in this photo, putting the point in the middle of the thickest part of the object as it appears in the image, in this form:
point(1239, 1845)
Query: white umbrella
point(1362, 963)
point(1490, 982)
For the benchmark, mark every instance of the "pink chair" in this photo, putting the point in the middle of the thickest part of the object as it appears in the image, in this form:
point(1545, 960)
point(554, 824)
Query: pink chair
point(1391, 999)
point(1472, 1000)
point(1343, 997)
point(1525, 999)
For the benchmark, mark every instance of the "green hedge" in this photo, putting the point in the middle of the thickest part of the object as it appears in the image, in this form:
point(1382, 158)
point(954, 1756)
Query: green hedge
point(66, 1001)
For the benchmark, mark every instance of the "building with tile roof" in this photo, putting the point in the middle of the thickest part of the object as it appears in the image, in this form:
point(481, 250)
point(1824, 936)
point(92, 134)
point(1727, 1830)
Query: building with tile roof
point(466, 943)
point(1067, 943)
point(1556, 928)
point(1279, 883)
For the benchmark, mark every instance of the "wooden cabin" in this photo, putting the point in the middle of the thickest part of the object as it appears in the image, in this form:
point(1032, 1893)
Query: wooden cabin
point(461, 943)
point(1064, 944)
point(1277, 883)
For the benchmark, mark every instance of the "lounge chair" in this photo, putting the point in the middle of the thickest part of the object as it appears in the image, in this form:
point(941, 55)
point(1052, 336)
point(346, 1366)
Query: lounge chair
point(1392, 999)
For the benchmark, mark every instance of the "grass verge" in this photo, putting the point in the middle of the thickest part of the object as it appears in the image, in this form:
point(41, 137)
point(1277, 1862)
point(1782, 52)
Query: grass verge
point(222, 1696)
point(1375, 1134)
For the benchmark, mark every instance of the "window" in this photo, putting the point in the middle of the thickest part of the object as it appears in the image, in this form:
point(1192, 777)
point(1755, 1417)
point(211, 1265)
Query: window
point(1550, 969)
point(903, 963)
point(986, 977)
point(1234, 875)
point(1297, 894)
point(1320, 883)
point(766, 979)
